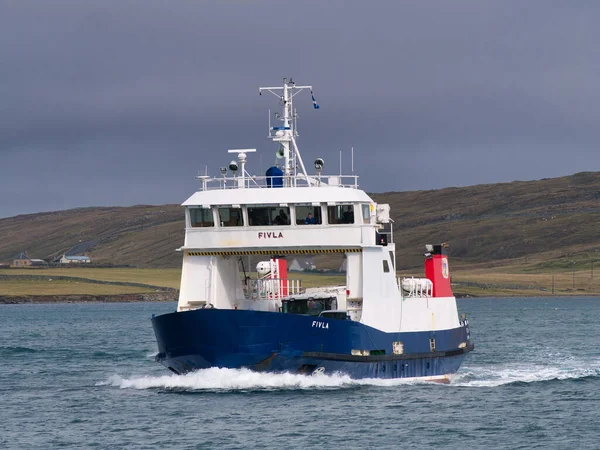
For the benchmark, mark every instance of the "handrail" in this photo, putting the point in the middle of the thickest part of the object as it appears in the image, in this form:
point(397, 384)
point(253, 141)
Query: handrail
point(258, 182)
point(272, 288)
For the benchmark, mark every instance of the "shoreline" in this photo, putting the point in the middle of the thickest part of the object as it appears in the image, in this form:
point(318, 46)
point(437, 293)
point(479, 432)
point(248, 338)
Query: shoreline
point(172, 296)
point(164, 296)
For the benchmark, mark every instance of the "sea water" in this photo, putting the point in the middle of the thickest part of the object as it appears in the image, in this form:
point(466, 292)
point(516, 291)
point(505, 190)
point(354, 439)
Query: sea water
point(83, 375)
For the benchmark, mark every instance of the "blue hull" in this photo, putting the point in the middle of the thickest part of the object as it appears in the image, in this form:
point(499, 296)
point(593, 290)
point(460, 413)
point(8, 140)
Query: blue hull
point(277, 342)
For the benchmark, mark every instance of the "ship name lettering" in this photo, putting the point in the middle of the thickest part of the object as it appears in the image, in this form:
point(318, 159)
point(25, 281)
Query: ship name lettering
point(270, 234)
point(323, 325)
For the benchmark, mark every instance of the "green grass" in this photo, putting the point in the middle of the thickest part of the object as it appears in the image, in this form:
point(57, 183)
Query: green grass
point(490, 282)
point(474, 281)
point(310, 280)
point(24, 287)
point(155, 277)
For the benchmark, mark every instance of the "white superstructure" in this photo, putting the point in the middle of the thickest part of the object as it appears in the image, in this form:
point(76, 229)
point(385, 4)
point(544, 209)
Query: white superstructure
point(290, 211)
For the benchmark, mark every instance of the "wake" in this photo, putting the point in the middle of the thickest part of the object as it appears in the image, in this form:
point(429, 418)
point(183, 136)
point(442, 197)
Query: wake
point(217, 379)
point(224, 380)
point(512, 373)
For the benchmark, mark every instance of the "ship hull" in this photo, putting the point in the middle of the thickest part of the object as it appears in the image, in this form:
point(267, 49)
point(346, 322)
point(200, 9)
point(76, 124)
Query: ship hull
point(277, 342)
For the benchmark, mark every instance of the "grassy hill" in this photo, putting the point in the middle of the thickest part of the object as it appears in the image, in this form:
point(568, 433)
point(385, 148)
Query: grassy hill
point(144, 236)
point(544, 224)
point(550, 224)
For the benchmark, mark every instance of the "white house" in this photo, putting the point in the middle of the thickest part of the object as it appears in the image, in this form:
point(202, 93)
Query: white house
point(72, 259)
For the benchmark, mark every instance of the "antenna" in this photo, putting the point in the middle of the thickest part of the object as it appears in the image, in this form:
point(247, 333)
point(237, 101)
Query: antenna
point(285, 133)
point(352, 152)
point(340, 163)
point(296, 123)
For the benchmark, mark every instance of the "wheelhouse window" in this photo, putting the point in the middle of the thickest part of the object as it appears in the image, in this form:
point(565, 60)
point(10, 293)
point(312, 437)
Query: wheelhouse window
point(366, 213)
point(268, 215)
point(308, 215)
point(386, 266)
point(310, 306)
point(231, 217)
point(340, 214)
point(201, 217)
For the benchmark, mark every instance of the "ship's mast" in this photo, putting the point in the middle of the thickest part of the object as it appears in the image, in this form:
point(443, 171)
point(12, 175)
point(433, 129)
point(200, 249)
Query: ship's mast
point(286, 133)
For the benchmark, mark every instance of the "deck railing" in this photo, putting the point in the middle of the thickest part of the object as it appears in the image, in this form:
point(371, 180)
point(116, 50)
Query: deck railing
point(253, 182)
point(272, 288)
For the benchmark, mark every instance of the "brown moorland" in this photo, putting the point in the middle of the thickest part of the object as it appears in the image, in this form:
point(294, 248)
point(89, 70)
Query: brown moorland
point(504, 238)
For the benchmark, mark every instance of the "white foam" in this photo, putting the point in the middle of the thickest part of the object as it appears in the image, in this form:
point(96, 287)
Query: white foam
point(498, 375)
point(217, 379)
point(244, 379)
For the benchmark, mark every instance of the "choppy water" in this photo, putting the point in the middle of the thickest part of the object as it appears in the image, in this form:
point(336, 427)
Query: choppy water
point(83, 375)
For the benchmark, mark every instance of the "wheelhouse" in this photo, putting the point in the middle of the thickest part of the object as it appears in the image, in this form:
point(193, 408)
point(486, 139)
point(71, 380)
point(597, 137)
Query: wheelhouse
point(280, 215)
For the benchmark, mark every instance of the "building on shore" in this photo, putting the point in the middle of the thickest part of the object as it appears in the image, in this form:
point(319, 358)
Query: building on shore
point(25, 261)
point(74, 259)
point(301, 264)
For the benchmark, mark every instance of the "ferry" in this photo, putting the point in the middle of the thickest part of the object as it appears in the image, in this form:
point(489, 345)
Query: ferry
point(239, 307)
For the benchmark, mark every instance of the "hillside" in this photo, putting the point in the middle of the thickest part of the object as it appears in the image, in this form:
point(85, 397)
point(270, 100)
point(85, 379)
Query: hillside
point(550, 223)
point(144, 236)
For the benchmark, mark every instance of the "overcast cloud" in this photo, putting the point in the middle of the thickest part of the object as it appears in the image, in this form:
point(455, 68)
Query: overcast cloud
point(119, 102)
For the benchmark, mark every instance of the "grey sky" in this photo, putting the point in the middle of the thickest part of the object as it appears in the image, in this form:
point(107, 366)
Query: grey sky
point(118, 102)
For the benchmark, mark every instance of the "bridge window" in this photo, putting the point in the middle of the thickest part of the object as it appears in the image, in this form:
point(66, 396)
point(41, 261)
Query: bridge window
point(201, 217)
point(231, 217)
point(268, 215)
point(308, 215)
point(339, 214)
point(386, 266)
point(366, 213)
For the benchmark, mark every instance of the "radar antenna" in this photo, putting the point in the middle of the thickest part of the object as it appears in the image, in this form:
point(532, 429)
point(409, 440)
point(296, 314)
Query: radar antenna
point(286, 133)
